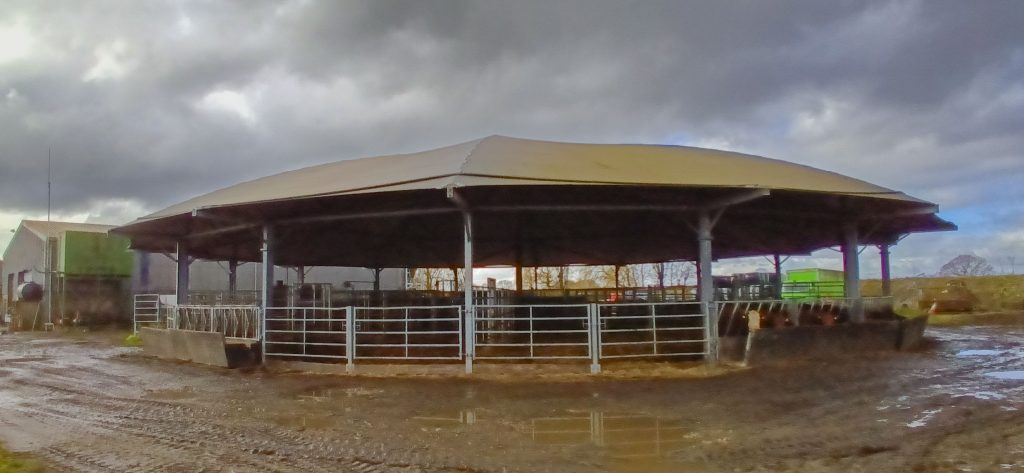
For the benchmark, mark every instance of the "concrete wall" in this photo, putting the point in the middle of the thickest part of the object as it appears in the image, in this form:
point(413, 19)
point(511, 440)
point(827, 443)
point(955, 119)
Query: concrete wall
point(155, 273)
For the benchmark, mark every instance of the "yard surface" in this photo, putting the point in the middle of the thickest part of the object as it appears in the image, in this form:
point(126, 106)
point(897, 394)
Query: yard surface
point(81, 404)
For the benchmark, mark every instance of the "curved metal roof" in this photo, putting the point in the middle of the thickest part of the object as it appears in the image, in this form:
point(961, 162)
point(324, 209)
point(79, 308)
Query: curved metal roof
point(523, 181)
point(500, 160)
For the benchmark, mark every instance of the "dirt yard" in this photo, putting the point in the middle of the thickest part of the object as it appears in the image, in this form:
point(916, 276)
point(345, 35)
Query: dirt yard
point(84, 405)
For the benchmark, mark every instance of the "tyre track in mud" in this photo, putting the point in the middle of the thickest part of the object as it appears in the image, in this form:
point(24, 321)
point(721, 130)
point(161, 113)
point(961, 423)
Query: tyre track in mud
point(175, 432)
point(112, 410)
point(97, 428)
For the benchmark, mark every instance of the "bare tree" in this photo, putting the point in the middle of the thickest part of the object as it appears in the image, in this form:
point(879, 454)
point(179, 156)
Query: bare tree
point(428, 278)
point(966, 265)
point(660, 273)
point(544, 277)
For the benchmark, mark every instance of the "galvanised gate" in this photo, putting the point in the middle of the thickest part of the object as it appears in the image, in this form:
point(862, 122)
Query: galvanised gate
point(498, 333)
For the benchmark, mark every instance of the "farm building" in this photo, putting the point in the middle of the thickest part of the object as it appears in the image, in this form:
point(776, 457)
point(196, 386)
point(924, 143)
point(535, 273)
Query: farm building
point(82, 271)
point(523, 203)
point(88, 275)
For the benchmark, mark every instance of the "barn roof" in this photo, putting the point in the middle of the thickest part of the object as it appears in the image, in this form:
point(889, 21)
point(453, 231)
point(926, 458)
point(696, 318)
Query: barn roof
point(501, 160)
point(44, 229)
point(534, 203)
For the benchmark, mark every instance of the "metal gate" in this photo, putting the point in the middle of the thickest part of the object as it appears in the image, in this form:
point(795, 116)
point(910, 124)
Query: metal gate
point(533, 332)
point(308, 332)
point(646, 330)
point(408, 333)
point(145, 310)
point(507, 332)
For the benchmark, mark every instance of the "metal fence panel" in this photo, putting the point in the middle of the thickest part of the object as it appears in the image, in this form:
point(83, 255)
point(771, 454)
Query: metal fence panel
point(532, 332)
point(307, 332)
point(646, 330)
point(237, 321)
point(408, 333)
point(145, 310)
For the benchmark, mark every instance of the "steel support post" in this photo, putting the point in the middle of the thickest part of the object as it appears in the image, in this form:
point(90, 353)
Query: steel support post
point(181, 284)
point(778, 275)
point(851, 272)
point(267, 298)
point(706, 285)
point(232, 279)
point(883, 254)
point(594, 317)
point(350, 339)
point(467, 286)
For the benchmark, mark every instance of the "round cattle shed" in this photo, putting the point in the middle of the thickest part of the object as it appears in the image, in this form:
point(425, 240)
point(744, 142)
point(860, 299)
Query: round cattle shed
point(509, 201)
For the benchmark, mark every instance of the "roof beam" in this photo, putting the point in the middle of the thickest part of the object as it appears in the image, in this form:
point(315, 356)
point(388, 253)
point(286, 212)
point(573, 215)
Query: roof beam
point(365, 215)
point(735, 199)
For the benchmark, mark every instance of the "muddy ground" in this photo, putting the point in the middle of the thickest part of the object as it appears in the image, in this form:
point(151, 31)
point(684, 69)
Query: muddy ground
point(85, 405)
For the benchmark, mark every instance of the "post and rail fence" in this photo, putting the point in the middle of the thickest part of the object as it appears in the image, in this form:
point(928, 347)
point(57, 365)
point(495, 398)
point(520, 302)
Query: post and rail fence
point(587, 332)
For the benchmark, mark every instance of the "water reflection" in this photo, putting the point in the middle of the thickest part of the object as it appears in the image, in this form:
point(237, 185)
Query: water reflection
point(621, 435)
point(465, 416)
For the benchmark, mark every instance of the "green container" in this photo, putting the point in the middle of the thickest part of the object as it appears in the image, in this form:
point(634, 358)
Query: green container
point(813, 283)
point(95, 254)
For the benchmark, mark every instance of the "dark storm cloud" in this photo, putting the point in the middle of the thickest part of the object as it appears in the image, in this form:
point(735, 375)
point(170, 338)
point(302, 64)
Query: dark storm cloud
point(152, 102)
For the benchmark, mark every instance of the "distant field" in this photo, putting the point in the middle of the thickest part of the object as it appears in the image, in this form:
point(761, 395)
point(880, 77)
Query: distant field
point(994, 293)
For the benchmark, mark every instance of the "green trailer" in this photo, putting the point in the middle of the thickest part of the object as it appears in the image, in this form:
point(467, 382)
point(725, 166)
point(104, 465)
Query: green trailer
point(813, 283)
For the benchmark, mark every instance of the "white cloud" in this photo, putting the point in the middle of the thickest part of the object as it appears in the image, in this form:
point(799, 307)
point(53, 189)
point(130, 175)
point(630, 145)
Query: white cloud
point(228, 101)
point(112, 62)
point(16, 42)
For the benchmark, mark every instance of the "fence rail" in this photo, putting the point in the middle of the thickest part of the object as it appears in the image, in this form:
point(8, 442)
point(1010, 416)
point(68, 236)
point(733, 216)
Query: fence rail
point(513, 332)
point(410, 333)
point(646, 330)
point(537, 332)
point(308, 332)
point(516, 332)
point(145, 311)
point(237, 321)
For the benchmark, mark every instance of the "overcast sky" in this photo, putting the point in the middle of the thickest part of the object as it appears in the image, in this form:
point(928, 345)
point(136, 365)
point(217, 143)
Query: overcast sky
point(147, 103)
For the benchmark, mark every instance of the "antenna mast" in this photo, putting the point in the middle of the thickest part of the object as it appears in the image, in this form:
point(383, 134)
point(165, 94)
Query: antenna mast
point(48, 168)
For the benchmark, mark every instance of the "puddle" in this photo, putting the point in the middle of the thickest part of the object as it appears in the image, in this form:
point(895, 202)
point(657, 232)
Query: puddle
point(323, 395)
point(983, 395)
point(46, 341)
point(964, 353)
point(1015, 375)
point(923, 420)
point(632, 442)
point(465, 416)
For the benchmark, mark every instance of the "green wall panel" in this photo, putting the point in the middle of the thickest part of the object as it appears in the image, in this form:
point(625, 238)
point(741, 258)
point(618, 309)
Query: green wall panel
point(95, 254)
